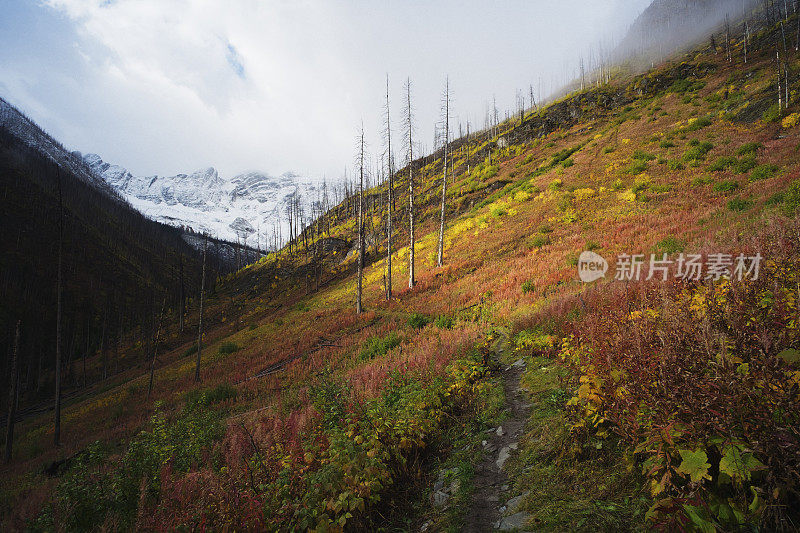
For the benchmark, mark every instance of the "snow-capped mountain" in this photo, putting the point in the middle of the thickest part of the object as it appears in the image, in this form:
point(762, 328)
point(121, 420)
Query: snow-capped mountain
point(245, 208)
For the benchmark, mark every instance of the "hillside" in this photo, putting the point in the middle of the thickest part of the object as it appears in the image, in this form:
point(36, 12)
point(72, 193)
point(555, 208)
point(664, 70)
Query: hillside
point(500, 384)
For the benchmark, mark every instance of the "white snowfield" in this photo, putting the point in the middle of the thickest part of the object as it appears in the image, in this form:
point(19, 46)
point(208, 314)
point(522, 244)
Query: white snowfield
point(246, 208)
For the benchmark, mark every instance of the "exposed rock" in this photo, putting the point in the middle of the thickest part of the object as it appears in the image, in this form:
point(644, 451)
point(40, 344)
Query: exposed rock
point(515, 521)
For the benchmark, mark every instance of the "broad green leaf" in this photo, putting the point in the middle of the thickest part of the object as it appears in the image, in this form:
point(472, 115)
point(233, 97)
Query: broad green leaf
point(738, 464)
point(694, 464)
point(695, 514)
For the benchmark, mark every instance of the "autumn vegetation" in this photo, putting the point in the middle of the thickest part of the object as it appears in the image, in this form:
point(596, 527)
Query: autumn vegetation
point(311, 416)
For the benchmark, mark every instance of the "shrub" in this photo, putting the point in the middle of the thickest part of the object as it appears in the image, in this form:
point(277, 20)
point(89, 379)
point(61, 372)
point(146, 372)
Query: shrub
point(418, 320)
point(643, 156)
point(674, 164)
point(568, 163)
point(555, 185)
point(190, 350)
point(528, 286)
point(697, 151)
point(699, 181)
point(592, 246)
point(791, 120)
point(685, 85)
point(228, 348)
point(209, 396)
point(537, 241)
point(667, 144)
point(763, 172)
point(377, 346)
point(746, 164)
point(725, 186)
point(444, 322)
point(773, 114)
point(698, 123)
point(706, 449)
point(637, 167)
point(749, 148)
point(534, 341)
point(740, 204)
point(791, 199)
point(609, 150)
point(723, 163)
point(671, 245)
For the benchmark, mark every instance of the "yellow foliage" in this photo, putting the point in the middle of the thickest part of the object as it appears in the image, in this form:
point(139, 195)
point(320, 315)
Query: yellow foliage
point(791, 121)
point(583, 194)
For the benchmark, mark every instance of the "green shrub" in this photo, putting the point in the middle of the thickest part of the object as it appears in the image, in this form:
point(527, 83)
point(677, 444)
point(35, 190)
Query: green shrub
point(791, 199)
point(537, 241)
point(725, 186)
point(592, 246)
point(206, 397)
point(763, 172)
point(746, 164)
point(749, 148)
point(723, 163)
point(773, 114)
point(228, 348)
point(699, 181)
point(418, 320)
point(667, 144)
point(674, 164)
point(444, 322)
point(555, 185)
point(609, 150)
point(685, 85)
point(643, 156)
point(190, 350)
point(697, 151)
point(699, 124)
point(671, 245)
point(527, 287)
point(775, 199)
point(563, 155)
point(740, 204)
point(377, 346)
point(637, 167)
point(568, 163)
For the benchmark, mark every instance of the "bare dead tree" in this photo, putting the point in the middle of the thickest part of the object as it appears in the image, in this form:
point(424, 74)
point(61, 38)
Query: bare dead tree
point(13, 396)
point(200, 321)
point(155, 347)
point(360, 162)
point(390, 206)
point(408, 121)
point(446, 117)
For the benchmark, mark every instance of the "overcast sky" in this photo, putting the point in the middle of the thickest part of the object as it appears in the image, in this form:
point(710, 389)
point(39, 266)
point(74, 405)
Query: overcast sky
point(168, 86)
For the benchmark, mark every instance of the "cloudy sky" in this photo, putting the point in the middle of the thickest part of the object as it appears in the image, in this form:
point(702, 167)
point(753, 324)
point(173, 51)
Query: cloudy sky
point(169, 86)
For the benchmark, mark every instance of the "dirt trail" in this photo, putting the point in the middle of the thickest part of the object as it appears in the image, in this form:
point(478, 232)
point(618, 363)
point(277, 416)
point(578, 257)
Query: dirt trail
point(491, 482)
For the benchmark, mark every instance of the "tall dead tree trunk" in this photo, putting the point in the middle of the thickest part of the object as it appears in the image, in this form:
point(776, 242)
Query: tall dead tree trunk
point(200, 321)
point(359, 308)
point(155, 347)
point(446, 102)
point(390, 206)
point(13, 394)
point(409, 124)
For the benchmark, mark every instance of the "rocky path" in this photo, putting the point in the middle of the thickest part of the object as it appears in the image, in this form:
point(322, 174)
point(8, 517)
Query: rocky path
point(493, 505)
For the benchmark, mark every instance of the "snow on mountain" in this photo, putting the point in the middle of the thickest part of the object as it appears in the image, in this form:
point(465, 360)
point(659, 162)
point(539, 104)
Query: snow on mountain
point(246, 208)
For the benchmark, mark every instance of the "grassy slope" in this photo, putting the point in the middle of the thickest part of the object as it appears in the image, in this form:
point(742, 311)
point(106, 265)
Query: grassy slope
point(530, 232)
